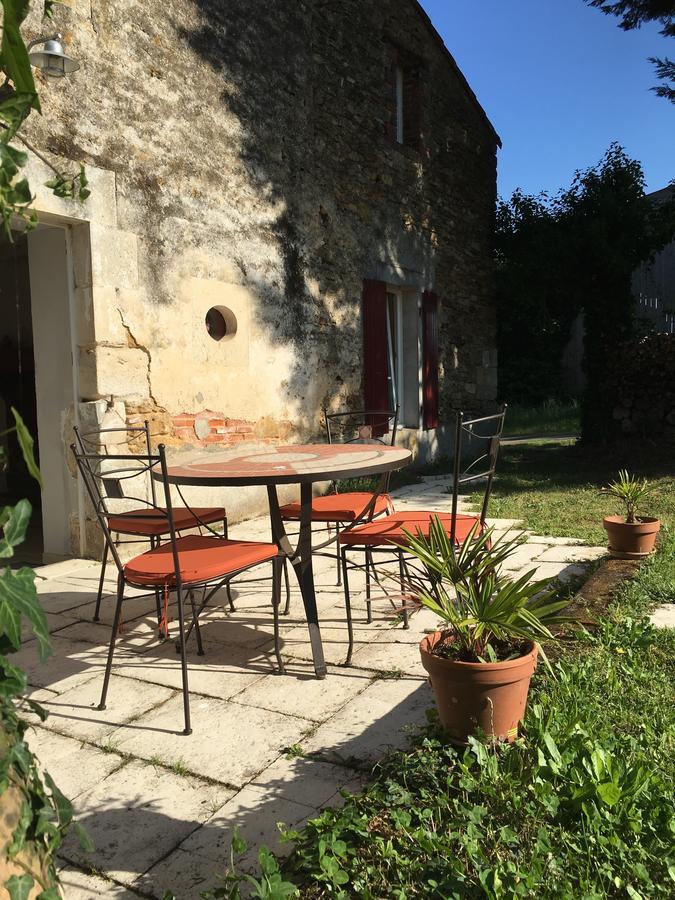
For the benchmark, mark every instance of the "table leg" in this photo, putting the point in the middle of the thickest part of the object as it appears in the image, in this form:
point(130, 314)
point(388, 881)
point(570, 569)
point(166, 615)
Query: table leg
point(301, 560)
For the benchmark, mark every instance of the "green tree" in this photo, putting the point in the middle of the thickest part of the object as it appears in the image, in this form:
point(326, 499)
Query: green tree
point(635, 13)
point(610, 228)
point(535, 308)
point(575, 252)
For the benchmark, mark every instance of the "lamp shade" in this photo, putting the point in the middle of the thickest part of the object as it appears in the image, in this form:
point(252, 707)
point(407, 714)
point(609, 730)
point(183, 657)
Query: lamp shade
point(52, 60)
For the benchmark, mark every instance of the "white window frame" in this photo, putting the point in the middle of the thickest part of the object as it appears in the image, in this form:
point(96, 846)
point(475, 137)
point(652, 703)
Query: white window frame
point(398, 385)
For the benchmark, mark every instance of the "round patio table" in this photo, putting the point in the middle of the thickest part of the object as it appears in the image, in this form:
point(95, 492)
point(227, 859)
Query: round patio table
point(300, 464)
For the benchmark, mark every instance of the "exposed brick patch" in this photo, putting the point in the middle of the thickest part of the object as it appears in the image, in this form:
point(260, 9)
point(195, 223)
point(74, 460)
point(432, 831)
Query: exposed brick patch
point(208, 427)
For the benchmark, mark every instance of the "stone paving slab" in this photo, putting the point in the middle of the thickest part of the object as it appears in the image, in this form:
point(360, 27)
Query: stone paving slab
point(562, 553)
point(137, 815)
point(75, 766)
point(664, 616)
point(75, 712)
point(374, 723)
point(71, 663)
point(300, 693)
point(223, 671)
point(230, 743)
point(77, 885)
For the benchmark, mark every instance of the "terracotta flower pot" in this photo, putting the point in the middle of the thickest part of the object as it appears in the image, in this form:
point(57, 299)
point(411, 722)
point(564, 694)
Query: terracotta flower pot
point(631, 540)
point(489, 696)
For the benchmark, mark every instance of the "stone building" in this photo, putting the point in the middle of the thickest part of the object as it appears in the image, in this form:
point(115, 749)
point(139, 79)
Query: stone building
point(292, 205)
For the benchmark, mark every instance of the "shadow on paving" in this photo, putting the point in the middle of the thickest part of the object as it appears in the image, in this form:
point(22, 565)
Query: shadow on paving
point(153, 844)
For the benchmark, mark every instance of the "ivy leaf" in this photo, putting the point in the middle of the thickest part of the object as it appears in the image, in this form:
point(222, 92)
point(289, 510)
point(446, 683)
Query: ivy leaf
point(35, 707)
point(18, 598)
point(62, 805)
point(14, 528)
point(12, 680)
point(19, 834)
point(51, 893)
point(86, 842)
point(26, 443)
point(19, 887)
point(14, 109)
point(13, 50)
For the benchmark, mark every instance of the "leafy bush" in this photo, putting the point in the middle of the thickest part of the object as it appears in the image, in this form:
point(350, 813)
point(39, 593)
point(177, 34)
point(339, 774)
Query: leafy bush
point(35, 814)
point(582, 805)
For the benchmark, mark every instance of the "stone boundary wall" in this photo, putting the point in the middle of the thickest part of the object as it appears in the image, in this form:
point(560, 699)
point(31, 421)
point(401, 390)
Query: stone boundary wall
point(642, 383)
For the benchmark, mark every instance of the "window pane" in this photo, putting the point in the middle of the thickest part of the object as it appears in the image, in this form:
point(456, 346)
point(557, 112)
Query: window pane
point(410, 404)
point(392, 349)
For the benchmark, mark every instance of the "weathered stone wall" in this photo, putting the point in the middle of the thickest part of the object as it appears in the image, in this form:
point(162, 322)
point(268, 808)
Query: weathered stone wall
point(641, 383)
point(239, 157)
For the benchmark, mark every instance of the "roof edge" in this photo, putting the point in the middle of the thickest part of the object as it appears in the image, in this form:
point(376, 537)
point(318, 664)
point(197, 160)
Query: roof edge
point(439, 40)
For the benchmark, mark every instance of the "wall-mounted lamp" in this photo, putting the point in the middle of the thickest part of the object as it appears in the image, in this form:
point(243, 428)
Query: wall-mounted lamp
point(51, 59)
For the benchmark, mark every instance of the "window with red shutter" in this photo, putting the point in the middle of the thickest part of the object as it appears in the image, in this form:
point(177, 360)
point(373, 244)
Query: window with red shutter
point(429, 360)
point(400, 330)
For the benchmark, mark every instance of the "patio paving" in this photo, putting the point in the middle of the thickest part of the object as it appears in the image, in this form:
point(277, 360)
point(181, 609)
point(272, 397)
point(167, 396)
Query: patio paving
point(159, 806)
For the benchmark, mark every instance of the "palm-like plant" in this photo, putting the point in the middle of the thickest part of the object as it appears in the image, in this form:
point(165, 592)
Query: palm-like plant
point(483, 611)
point(630, 491)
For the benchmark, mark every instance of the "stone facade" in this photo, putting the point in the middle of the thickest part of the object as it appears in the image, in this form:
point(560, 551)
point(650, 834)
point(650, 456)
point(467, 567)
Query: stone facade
point(240, 156)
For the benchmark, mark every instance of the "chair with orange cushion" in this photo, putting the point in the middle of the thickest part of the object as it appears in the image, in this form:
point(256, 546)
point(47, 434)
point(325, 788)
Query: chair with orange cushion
point(180, 564)
point(389, 535)
point(338, 509)
point(144, 522)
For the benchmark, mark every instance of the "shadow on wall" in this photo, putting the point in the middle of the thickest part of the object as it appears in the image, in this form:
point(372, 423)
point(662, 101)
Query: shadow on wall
point(307, 87)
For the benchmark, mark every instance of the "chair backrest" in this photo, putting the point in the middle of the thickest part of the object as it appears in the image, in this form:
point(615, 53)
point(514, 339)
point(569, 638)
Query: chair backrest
point(104, 476)
point(486, 432)
point(94, 440)
point(364, 426)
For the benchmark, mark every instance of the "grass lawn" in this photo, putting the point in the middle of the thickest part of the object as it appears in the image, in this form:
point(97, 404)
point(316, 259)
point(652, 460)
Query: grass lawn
point(582, 805)
point(553, 487)
point(551, 417)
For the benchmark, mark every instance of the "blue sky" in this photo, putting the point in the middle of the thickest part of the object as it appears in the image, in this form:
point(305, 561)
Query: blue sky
point(560, 81)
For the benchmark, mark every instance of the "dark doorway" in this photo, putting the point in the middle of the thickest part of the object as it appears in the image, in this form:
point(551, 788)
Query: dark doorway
point(17, 383)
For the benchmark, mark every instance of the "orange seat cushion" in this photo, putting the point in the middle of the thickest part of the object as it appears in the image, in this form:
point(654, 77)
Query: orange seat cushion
point(391, 530)
point(201, 558)
point(340, 507)
point(149, 522)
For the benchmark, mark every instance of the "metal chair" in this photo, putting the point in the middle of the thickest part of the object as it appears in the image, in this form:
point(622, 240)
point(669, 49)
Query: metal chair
point(389, 536)
point(336, 509)
point(144, 522)
point(181, 564)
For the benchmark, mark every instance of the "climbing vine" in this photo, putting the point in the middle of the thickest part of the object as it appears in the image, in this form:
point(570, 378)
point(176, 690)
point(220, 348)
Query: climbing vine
point(18, 99)
point(35, 814)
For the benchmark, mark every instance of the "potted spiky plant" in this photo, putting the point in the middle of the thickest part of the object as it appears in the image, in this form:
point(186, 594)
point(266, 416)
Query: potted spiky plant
point(480, 661)
point(631, 536)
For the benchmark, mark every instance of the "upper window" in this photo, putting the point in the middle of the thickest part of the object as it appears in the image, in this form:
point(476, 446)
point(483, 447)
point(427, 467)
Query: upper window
point(405, 114)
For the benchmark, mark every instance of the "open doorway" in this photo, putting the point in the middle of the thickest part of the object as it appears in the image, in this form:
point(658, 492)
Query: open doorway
point(37, 378)
point(17, 383)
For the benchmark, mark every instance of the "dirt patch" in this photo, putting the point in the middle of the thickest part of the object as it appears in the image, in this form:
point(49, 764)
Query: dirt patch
point(591, 601)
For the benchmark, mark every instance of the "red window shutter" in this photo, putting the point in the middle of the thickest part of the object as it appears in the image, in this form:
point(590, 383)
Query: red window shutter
point(376, 385)
point(430, 360)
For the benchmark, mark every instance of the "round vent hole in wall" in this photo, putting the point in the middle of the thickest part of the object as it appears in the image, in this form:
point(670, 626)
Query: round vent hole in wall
point(221, 323)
